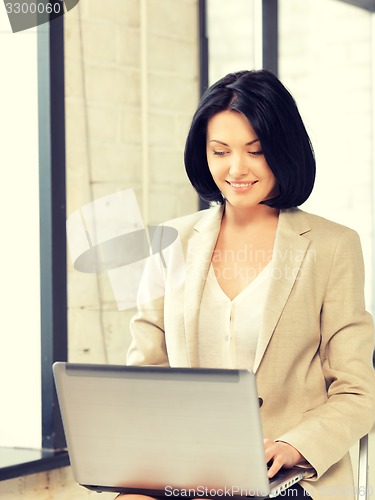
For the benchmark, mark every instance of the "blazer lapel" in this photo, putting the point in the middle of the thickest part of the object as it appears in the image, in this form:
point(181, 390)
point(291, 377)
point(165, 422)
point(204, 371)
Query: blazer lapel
point(199, 256)
point(289, 251)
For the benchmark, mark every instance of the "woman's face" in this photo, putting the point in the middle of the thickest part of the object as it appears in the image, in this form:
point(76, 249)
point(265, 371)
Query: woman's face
point(236, 160)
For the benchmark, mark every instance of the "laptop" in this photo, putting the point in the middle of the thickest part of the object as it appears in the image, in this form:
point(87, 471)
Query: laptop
point(165, 431)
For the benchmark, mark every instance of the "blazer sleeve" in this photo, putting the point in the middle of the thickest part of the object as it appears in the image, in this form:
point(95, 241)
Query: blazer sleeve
point(148, 346)
point(148, 339)
point(347, 342)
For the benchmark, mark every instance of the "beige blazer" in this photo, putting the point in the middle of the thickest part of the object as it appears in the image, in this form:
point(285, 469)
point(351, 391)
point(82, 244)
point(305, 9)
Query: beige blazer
point(314, 357)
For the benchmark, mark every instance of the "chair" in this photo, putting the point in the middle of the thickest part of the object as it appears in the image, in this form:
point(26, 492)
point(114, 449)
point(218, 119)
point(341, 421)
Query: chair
point(363, 487)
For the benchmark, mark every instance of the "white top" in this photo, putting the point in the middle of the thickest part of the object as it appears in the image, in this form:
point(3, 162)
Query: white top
point(231, 327)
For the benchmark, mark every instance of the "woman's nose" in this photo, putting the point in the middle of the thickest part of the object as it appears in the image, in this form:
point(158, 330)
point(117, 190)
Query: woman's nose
point(238, 167)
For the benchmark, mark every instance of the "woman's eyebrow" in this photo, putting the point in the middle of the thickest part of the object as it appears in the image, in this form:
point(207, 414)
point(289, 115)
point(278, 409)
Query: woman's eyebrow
point(225, 144)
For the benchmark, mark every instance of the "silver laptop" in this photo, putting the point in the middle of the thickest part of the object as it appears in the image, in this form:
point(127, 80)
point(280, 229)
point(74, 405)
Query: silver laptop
point(165, 431)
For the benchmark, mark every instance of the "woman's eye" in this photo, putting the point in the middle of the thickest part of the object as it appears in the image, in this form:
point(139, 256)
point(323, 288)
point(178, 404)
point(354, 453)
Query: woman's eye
point(256, 153)
point(219, 153)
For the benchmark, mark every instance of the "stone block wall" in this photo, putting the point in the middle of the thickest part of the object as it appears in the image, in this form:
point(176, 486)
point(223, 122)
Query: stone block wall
point(131, 88)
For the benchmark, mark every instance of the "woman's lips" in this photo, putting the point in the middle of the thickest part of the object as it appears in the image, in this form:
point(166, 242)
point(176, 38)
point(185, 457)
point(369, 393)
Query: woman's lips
point(241, 185)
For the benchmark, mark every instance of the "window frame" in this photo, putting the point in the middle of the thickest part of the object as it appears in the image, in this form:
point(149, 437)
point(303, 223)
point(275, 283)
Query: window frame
point(54, 336)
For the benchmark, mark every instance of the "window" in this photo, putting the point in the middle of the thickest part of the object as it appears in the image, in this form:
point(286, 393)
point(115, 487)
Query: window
point(34, 250)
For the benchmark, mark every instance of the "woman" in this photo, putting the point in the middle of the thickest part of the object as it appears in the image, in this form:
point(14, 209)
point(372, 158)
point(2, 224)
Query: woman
point(268, 287)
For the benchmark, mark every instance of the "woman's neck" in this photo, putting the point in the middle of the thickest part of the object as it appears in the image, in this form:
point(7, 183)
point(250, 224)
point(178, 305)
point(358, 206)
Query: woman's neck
point(259, 215)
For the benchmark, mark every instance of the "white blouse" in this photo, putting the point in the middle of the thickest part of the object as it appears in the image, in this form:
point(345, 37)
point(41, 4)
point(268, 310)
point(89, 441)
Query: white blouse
point(231, 327)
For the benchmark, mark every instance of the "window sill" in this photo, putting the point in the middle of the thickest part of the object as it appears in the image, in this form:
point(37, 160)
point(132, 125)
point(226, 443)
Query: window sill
point(15, 462)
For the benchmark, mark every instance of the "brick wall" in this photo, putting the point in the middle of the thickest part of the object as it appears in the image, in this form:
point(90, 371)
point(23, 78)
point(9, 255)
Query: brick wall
point(132, 86)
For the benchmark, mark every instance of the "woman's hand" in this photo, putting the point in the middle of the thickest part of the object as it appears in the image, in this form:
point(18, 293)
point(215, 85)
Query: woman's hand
point(281, 454)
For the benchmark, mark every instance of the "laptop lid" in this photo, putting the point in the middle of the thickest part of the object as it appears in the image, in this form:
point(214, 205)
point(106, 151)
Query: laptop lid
point(152, 429)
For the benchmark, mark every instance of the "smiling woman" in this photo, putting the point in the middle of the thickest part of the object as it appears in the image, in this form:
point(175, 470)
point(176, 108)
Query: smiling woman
point(292, 311)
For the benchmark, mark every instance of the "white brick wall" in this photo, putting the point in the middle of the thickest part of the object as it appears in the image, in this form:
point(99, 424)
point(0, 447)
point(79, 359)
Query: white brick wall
point(105, 139)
